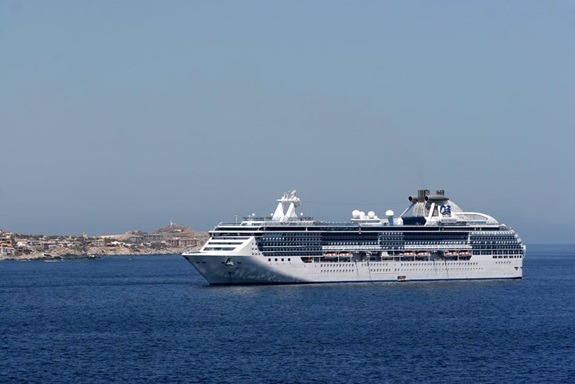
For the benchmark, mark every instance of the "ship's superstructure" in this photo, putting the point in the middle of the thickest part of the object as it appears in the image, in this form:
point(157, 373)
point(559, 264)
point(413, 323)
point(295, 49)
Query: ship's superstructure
point(433, 239)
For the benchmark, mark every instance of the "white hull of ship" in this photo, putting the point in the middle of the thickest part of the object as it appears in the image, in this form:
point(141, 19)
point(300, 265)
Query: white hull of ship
point(257, 269)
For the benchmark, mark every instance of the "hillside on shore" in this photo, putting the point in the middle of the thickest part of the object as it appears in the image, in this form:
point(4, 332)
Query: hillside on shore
point(169, 240)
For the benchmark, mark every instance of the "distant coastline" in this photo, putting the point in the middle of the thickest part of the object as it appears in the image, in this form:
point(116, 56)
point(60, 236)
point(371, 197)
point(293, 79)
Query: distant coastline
point(173, 239)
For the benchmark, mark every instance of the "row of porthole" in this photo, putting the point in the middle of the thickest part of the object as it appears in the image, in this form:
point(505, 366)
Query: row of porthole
point(434, 269)
point(276, 259)
point(482, 251)
point(352, 270)
point(344, 265)
point(439, 263)
point(462, 262)
point(399, 269)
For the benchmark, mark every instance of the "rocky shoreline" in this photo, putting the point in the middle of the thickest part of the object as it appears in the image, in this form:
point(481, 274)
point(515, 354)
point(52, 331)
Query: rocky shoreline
point(62, 253)
point(170, 240)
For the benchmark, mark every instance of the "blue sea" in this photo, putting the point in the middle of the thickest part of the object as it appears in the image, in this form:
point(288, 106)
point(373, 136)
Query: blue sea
point(153, 319)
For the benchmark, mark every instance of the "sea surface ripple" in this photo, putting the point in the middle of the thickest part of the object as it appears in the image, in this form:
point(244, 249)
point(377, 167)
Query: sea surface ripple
point(153, 319)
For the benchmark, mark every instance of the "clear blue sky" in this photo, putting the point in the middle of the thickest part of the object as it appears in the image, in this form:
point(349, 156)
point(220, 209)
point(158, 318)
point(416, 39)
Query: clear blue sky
point(120, 115)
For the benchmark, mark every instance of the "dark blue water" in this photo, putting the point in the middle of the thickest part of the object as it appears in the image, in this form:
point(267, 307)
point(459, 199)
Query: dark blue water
point(154, 320)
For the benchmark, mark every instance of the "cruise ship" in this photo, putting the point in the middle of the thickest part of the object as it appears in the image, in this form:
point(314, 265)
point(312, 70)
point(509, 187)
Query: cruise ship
point(433, 239)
